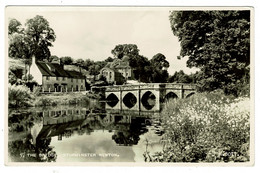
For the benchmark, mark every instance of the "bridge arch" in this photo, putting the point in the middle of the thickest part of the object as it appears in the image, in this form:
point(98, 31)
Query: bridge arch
point(148, 100)
point(129, 100)
point(170, 95)
point(190, 94)
point(112, 100)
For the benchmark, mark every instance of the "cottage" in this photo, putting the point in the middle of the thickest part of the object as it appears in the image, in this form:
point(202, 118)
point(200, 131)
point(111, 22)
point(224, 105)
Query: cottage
point(118, 71)
point(53, 78)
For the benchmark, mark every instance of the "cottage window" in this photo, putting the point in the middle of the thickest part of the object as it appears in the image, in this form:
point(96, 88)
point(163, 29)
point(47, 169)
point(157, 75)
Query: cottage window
point(71, 79)
point(47, 77)
point(57, 78)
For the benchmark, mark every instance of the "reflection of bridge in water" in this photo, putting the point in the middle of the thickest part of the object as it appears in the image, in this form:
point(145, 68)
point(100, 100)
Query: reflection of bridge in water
point(143, 97)
point(124, 124)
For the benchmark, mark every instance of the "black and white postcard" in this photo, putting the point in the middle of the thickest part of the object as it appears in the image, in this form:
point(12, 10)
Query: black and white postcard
point(129, 85)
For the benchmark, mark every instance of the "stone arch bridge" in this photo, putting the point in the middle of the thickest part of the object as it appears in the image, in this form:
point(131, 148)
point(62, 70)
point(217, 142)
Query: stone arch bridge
point(144, 97)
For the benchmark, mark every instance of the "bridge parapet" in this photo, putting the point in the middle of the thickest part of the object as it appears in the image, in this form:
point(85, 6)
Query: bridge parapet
point(122, 88)
point(180, 86)
point(112, 88)
point(130, 87)
point(150, 86)
point(189, 87)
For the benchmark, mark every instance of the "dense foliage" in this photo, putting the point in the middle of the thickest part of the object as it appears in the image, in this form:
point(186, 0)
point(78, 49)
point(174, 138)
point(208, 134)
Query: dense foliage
point(180, 77)
point(35, 38)
point(159, 66)
point(19, 96)
point(218, 43)
point(207, 127)
point(156, 67)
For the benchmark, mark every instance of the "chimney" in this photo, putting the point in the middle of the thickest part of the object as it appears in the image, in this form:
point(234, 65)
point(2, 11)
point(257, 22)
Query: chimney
point(33, 59)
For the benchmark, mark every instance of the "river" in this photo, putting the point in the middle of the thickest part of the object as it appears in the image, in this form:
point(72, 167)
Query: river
point(81, 134)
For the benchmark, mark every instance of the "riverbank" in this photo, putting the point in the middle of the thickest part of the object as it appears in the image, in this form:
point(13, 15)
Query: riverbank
point(71, 98)
point(207, 127)
point(20, 96)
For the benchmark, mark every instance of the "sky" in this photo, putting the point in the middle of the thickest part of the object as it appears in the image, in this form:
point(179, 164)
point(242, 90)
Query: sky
point(91, 32)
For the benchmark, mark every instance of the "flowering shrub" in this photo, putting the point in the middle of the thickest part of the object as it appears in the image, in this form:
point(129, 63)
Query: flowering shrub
point(207, 127)
point(19, 96)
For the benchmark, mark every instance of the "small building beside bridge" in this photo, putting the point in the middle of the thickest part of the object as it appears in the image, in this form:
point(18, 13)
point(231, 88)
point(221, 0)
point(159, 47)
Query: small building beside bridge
point(118, 71)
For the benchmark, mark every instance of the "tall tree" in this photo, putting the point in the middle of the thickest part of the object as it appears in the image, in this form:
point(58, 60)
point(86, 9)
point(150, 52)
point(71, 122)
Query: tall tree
point(40, 35)
point(159, 61)
point(217, 42)
point(35, 39)
point(125, 49)
point(159, 65)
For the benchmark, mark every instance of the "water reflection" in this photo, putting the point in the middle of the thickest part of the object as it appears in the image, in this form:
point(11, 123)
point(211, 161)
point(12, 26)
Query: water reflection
point(66, 134)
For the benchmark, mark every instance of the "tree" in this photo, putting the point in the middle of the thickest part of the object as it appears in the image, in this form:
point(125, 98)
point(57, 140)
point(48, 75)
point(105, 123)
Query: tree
point(19, 46)
point(180, 77)
point(125, 49)
point(87, 63)
point(217, 42)
point(138, 62)
point(159, 61)
point(14, 27)
point(159, 65)
point(79, 62)
point(109, 59)
point(141, 66)
point(53, 58)
point(40, 35)
point(35, 39)
point(67, 60)
point(94, 69)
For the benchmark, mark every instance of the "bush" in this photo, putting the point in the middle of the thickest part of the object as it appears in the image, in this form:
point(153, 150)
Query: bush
point(207, 127)
point(19, 96)
point(12, 79)
point(45, 101)
point(36, 91)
